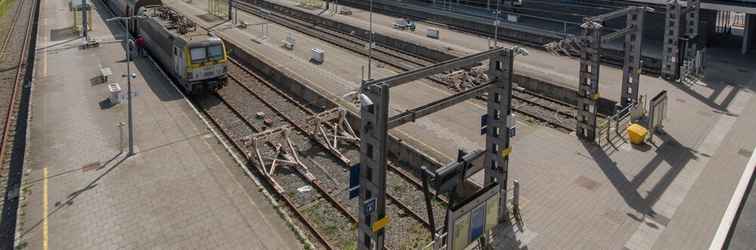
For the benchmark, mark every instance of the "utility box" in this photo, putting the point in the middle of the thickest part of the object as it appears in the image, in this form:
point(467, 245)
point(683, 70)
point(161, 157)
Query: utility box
point(637, 134)
point(318, 56)
point(115, 93)
point(432, 33)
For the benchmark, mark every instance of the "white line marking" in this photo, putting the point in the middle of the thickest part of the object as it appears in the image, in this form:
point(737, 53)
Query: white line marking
point(735, 201)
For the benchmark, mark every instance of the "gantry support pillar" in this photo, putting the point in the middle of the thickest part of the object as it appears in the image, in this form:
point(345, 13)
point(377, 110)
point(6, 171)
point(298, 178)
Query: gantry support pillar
point(588, 81)
point(671, 50)
point(680, 22)
point(500, 124)
point(373, 140)
point(632, 65)
point(692, 19)
point(375, 123)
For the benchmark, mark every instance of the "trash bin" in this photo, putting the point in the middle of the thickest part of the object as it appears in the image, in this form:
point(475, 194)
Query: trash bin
point(432, 33)
point(317, 56)
point(636, 133)
point(115, 93)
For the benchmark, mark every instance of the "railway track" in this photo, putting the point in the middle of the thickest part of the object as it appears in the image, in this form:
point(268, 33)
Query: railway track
point(326, 172)
point(546, 111)
point(16, 61)
point(20, 56)
point(13, 89)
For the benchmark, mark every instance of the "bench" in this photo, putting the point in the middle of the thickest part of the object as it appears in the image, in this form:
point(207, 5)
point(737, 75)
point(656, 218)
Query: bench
point(105, 72)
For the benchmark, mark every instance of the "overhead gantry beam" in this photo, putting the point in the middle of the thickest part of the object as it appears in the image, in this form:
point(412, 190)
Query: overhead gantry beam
point(610, 15)
point(617, 34)
point(452, 64)
point(590, 54)
point(430, 108)
point(375, 123)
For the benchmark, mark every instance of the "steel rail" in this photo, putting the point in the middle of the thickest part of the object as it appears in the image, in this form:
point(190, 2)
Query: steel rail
point(268, 179)
point(319, 142)
point(315, 183)
point(391, 165)
point(20, 70)
point(389, 57)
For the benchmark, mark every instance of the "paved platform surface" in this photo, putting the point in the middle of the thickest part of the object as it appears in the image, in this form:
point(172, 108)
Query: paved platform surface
point(539, 64)
point(669, 195)
point(181, 190)
point(440, 134)
point(744, 227)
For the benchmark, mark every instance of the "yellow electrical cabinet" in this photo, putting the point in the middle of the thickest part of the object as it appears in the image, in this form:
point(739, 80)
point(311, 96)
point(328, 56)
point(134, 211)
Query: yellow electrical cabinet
point(636, 133)
point(78, 7)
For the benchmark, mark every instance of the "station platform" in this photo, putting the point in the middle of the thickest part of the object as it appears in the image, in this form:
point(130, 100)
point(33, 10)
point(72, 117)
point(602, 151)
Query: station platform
point(667, 195)
point(539, 64)
point(181, 190)
point(439, 134)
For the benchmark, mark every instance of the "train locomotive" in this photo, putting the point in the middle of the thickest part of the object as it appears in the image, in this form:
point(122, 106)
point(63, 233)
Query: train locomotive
point(196, 60)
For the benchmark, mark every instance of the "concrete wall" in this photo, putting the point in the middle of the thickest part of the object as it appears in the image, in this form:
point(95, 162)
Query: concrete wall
point(564, 94)
point(610, 56)
point(558, 92)
point(401, 150)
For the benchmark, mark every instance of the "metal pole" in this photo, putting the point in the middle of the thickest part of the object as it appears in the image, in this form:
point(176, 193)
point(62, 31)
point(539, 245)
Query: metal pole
point(128, 88)
point(229, 10)
point(428, 206)
point(370, 44)
point(84, 22)
point(496, 23)
point(120, 136)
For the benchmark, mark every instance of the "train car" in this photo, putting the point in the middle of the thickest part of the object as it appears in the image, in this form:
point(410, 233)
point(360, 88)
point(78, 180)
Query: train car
point(195, 59)
point(126, 8)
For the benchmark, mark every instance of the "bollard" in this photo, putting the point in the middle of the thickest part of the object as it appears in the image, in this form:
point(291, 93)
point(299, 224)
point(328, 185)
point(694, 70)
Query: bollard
point(120, 136)
point(516, 203)
point(516, 196)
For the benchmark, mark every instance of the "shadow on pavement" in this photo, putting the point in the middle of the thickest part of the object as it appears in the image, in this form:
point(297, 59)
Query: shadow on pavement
point(670, 151)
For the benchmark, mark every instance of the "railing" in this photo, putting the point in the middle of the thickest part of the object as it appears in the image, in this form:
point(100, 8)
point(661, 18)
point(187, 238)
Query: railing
point(617, 122)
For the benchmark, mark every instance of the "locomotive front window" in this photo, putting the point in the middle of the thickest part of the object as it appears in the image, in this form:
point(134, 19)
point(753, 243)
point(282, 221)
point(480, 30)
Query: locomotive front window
point(198, 54)
point(215, 52)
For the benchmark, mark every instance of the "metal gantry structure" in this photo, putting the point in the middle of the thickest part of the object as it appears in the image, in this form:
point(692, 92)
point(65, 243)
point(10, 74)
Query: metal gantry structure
point(375, 123)
point(589, 44)
point(680, 37)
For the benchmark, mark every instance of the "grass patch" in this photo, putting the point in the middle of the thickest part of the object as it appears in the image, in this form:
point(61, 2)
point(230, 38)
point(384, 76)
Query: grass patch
point(5, 6)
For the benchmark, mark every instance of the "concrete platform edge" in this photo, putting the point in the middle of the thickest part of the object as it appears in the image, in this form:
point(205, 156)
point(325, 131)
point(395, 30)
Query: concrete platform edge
point(300, 235)
point(735, 203)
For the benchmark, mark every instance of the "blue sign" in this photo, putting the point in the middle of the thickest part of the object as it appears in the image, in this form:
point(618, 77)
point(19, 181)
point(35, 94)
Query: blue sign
point(477, 222)
point(370, 205)
point(354, 181)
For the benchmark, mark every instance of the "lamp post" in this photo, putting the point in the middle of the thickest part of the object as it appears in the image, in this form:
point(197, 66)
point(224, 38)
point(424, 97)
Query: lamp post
point(496, 23)
point(370, 44)
point(129, 43)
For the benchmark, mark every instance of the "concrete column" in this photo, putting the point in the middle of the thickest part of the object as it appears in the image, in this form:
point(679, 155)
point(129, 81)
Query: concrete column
point(747, 34)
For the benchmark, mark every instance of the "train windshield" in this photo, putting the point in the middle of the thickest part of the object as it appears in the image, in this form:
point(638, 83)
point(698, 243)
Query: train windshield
point(198, 54)
point(215, 52)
